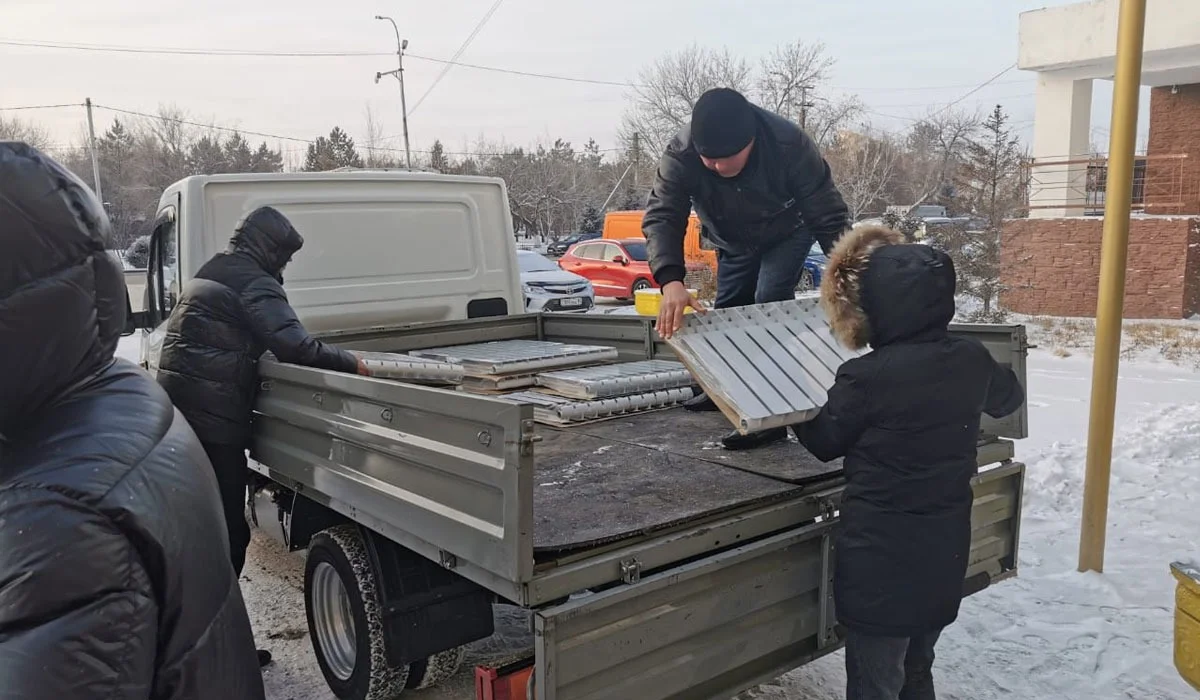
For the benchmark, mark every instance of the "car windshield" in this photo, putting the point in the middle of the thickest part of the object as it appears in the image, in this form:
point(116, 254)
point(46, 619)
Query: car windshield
point(532, 262)
point(637, 251)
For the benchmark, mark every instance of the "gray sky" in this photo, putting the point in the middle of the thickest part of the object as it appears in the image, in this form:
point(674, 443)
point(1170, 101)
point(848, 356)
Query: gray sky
point(899, 57)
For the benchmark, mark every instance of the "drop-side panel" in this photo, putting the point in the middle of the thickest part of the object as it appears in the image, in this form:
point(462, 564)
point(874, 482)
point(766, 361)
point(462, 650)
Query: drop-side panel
point(448, 474)
point(714, 627)
point(702, 630)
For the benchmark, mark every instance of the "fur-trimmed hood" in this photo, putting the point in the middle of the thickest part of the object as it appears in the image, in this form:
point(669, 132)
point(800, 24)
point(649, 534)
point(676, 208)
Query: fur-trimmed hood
point(879, 290)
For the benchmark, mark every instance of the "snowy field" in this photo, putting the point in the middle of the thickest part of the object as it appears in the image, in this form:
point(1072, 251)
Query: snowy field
point(1050, 634)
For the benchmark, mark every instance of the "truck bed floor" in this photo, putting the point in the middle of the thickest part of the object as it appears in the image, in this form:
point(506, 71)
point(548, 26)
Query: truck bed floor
point(613, 480)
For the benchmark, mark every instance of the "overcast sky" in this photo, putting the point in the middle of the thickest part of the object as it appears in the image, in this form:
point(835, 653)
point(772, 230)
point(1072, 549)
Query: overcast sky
point(899, 57)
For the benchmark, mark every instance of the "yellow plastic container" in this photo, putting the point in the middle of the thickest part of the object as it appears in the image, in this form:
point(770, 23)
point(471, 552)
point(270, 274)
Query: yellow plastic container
point(1187, 622)
point(647, 301)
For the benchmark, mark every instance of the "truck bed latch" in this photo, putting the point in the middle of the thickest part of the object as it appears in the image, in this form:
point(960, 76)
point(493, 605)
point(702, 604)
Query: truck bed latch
point(631, 571)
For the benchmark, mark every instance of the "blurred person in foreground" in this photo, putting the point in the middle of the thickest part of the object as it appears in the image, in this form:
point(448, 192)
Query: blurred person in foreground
point(114, 569)
point(905, 416)
point(763, 193)
point(232, 311)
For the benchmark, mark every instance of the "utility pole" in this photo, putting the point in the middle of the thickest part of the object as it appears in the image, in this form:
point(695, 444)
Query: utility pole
point(95, 156)
point(804, 105)
point(637, 158)
point(401, 45)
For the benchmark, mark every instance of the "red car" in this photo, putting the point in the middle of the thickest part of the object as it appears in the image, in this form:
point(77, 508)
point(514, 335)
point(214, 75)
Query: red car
point(616, 268)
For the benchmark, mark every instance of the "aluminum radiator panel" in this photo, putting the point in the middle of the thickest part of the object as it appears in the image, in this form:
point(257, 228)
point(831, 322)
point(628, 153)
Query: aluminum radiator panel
point(766, 365)
point(621, 379)
point(388, 365)
point(504, 357)
point(559, 410)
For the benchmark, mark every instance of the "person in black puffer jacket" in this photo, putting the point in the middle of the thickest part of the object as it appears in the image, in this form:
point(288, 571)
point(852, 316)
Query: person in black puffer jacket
point(231, 312)
point(114, 570)
point(763, 193)
point(906, 418)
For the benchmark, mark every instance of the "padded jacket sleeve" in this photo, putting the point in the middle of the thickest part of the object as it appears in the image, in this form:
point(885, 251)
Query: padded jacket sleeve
point(666, 220)
point(843, 418)
point(821, 204)
point(1005, 394)
point(78, 617)
point(274, 322)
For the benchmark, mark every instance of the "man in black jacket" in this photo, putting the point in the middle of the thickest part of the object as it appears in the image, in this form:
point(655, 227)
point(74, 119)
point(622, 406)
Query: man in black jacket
point(762, 192)
point(230, 313)
point(114, 570)
point(906, 418)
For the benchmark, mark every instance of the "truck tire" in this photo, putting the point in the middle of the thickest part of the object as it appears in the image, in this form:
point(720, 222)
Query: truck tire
point(344, 618)
point(436, 669)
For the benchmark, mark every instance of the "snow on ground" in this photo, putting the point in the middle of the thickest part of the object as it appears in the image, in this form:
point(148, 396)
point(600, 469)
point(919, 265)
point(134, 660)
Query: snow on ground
point(1051, 633)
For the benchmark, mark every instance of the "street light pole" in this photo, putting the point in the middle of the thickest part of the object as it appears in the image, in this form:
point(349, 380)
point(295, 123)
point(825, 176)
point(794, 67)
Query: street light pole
point(401, 45)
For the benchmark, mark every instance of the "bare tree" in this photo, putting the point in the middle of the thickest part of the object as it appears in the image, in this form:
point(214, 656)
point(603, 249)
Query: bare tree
point(378, 155)
point(789, 76)
point(864, 165)
point(666, 92)
point(935, 148)
point(14, 129)
point(827, 118)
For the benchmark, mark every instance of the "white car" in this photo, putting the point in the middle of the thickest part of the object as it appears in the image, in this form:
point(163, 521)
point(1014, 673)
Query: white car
point(547, 287)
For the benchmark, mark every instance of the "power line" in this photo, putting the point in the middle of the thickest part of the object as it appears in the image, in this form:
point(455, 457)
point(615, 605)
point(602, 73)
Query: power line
point(976, 89)
point(29, 107)
point(450, 64)
point(179, 51)
point(302, 54)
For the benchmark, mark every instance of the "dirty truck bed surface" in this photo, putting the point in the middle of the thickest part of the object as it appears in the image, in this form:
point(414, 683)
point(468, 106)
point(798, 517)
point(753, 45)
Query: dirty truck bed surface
point(612, 480)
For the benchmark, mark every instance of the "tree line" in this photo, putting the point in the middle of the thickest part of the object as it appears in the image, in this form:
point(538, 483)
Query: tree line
point(970, 163)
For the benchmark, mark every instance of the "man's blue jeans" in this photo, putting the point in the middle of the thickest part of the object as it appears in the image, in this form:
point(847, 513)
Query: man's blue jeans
point(763, 276)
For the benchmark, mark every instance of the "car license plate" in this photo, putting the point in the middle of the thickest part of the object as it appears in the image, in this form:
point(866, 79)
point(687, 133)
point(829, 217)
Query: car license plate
point(572, 301)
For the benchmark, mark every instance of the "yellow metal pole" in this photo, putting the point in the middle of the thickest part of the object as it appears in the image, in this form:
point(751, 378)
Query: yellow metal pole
point(1117, 201)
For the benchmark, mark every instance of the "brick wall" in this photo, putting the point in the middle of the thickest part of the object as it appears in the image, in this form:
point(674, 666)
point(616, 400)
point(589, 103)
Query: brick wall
point(1051, 267)
point(1172, 184)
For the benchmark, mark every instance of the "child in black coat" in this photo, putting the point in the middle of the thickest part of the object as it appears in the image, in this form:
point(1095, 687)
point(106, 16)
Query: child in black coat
point(905, 417)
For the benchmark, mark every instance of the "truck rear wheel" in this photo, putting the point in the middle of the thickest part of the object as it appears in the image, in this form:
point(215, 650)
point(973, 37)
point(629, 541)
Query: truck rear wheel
point(344, 618)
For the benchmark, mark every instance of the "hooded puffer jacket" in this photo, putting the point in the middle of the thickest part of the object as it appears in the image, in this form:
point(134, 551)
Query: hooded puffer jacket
point(906, 418)
point(230, 313)
point(114, 571)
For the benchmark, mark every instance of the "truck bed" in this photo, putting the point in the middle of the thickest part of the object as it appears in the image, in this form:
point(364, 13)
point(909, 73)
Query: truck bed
point(612, 480)
point(535, 513)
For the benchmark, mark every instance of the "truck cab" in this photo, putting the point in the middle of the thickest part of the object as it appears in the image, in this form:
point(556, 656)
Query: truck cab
point(380, 247)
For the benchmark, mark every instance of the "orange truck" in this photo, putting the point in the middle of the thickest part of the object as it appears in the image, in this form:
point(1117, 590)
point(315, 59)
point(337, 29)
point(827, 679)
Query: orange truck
point(628, 224)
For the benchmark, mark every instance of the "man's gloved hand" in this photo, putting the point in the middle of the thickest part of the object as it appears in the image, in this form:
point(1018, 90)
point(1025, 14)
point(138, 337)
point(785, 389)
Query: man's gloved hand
point(675, 301)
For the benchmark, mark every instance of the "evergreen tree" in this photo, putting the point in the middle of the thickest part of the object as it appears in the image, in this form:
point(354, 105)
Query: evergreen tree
point(265, 160)
point(437, 158)
point(991, 186)
point(592, 221)
point(336, 151)
point(207, 157)
point(238, 156)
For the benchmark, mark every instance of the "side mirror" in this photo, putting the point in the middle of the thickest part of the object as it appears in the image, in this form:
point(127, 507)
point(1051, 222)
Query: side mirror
point(620, 260)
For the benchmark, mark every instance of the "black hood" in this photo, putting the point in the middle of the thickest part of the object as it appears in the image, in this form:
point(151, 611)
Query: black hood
point(879, 290)
point(268, 238)
point(62, 296)
point(908, 293)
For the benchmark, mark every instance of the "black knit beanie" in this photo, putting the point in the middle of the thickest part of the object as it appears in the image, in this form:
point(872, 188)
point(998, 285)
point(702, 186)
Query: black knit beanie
point(722, 123)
